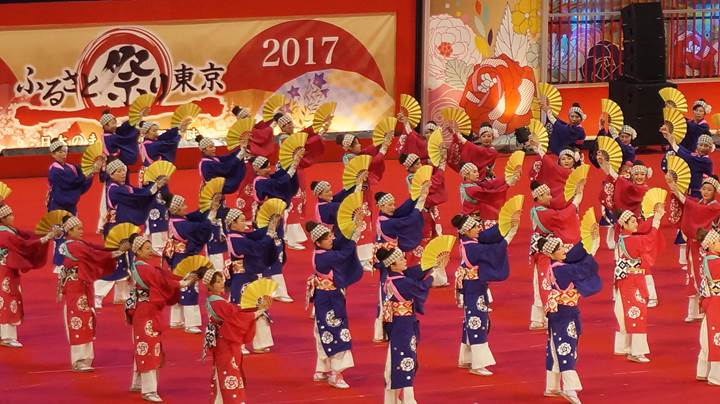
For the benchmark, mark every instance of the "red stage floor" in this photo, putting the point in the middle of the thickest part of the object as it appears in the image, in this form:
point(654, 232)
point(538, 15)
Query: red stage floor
point(40, 371)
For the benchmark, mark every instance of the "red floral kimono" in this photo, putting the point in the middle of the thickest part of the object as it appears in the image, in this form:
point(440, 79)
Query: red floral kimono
point(546, 170)
point(411, 142)
point(696, 215)
point(483, 199)
point(469, 152)
point(710, 303)
point(629, 196)
point(635, 255)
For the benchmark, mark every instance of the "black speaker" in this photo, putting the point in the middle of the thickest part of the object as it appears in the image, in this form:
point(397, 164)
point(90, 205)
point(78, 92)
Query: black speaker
point(644, 60)
point(642, 107)
point(643, 22)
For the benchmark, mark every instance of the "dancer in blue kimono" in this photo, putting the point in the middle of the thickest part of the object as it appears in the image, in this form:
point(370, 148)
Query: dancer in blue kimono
point(624, 139)
point(188, 233)
point(283, 185)
point(66, 182)
point(157, 147)
point(402, 228)
point(484, 259)
point(125, 204)
point(573, 273)
point(697, 126)
point(406, 290)
point(336, 267)
point(250, 253)
point(565, 134)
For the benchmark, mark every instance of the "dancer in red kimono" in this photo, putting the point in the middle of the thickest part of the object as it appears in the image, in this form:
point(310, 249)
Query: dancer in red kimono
point(154, 289)
point(634, 254)
point(553, 171)
point(702, 213)
point(562, 223)
point(463, 150)
point(228, 328)
point(84, 263)
point(481, 197)
point(607, 198)
point(708, 363)
point(20, 252)
point(410, 141)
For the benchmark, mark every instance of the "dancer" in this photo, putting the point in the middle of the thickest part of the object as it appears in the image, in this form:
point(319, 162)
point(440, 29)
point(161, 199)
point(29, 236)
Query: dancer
point(565, 135)
point(336, 267)
point(573, 273)
point(634, 254)
point(250, 253)
point(328, 204)
point(623, 139)
point(228, 328)
point(410, 141)
point(607, 196)
point(20, 252)
point(708, 363)
point(406, 291)
point(696, 126)
point(554, 171)
point(482, 198)
point(188, 233)
point(702, 213)
point(484, 259)
point(698, 161)
point(464, 150)
point(66, 182)
point(84, 264)
point(154, 289)
point(562, 223)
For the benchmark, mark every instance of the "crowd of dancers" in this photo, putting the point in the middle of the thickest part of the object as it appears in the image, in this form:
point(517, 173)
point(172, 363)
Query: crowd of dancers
point(238, 253)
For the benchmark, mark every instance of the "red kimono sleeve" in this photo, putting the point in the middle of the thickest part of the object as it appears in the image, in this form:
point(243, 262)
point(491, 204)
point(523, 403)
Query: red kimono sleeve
point(26, 251)
point(238, 325)
point(94, 261)
point(698, 216)
point(628, 196)
point(314, 148)
point(437, 194)
point(554, 176)
point(490, 196)
point(262, 140)
point(166, 285)
point(478, 155)
point(563, 223)
point(377, 168)
point(646, 246)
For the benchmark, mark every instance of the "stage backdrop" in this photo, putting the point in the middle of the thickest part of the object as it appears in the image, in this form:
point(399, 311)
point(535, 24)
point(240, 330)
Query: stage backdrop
point(58, 80)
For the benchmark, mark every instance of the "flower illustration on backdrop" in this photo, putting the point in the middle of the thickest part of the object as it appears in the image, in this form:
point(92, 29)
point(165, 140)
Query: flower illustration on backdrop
point(449, 38)
point(526, 17)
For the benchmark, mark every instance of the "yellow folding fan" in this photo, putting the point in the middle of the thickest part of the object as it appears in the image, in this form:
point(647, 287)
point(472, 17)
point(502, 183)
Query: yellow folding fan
point(356, 166)
point(435, 147)
point(578, 174)
point(437, 252)
point(289, 147)
point(191, 264)
point(90, 155)
point(587, 224)
point(515, 160)
point(385, 126)
point(552, 95)
point(422, 176)
point(679, 167)
point(5, 191)
point(208, 191)
point(49, 220)
point(411, 109)
point(613, 113)
point(189, 110)
point(269, 208)
point(349, 207)
point(457, 117)
point(140, 104)
point(540, 132)
point(239, 128)
point(323, 116)
point(715, 119)
point(273, 106)
point(120, 233)
point(613, 151)
point(674, 98)
point(676, 122)
point(160, 168)
point(652, 197)
point(510, 206)
point(254, 292)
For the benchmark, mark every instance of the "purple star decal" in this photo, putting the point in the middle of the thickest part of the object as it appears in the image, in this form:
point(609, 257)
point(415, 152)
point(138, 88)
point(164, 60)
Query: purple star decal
point(294, 92)
point(319, 80)
point(325, 92)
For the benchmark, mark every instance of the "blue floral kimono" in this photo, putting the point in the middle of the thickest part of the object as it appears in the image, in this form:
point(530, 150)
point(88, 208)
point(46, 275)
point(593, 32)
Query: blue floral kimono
point(564, 135)
point(163, 148)
point(186, 236)
point(250, 253)
point(66, 183)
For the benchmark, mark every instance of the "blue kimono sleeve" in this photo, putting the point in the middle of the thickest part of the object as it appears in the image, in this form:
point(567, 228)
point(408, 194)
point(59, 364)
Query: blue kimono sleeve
point(405, 209)
point(258, 250)
point(407, 230)
point(564, 135)
point(165, 146)
point(343, 259)
point(491, 235)
point(328, 213)
point(139, 198)
point(694, 130)
point(68, 185)
point(628, 151)
point(416, 290)
point(699, 166)
point(278, 185)
point(491, 260)
point(581, 269)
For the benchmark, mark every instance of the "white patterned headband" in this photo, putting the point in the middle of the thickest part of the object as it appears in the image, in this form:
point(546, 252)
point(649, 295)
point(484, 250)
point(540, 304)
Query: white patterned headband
point(70, 223)
point(321, 187)
point(5, 211)
point(430, 126)
point(467, 168)
point(284, 120)
point(488, 129)
point(711, 238)
point(712, 181)
point(58, 144)
point(577, 110)
point(394, 257)
point(208, 277)
point(347, 141)
point(205, 142)
point(410, 160)
point(146, 126)
point(627, 129)
point(106, 118)
point(700, 103)
point(242, 113)
point(625, 216)
point(176, 202)
point(641, 169)
point(551, 244)
point(259, 162)
point(232, 215)
point(541, 190)
point(468, 224)
point(138, 243)
point(570, 153)
point(386, 199)
point(318, 232)
point(705, 139)
point(114, 166)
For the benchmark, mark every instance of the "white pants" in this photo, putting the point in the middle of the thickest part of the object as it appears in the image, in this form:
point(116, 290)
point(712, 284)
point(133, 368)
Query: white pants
point(569, 378)
point(706, 370)
point(652, 293)
point(336, 363)
point(477, 356)
point(82, 354)
point(610, 237)
point(103, 208)
point(158, 240)
point(122, 289)
point(263, 334)
point(378, 330)
point(282, 287)
point(537, 310)
point(294, 234)
point(405, 395)
point(187, 315)
point(147, 381)
point(633, 344)
point(8, 332)
point(218, 261)
point(682, 255)
point(365, 252)
point(440, 277)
